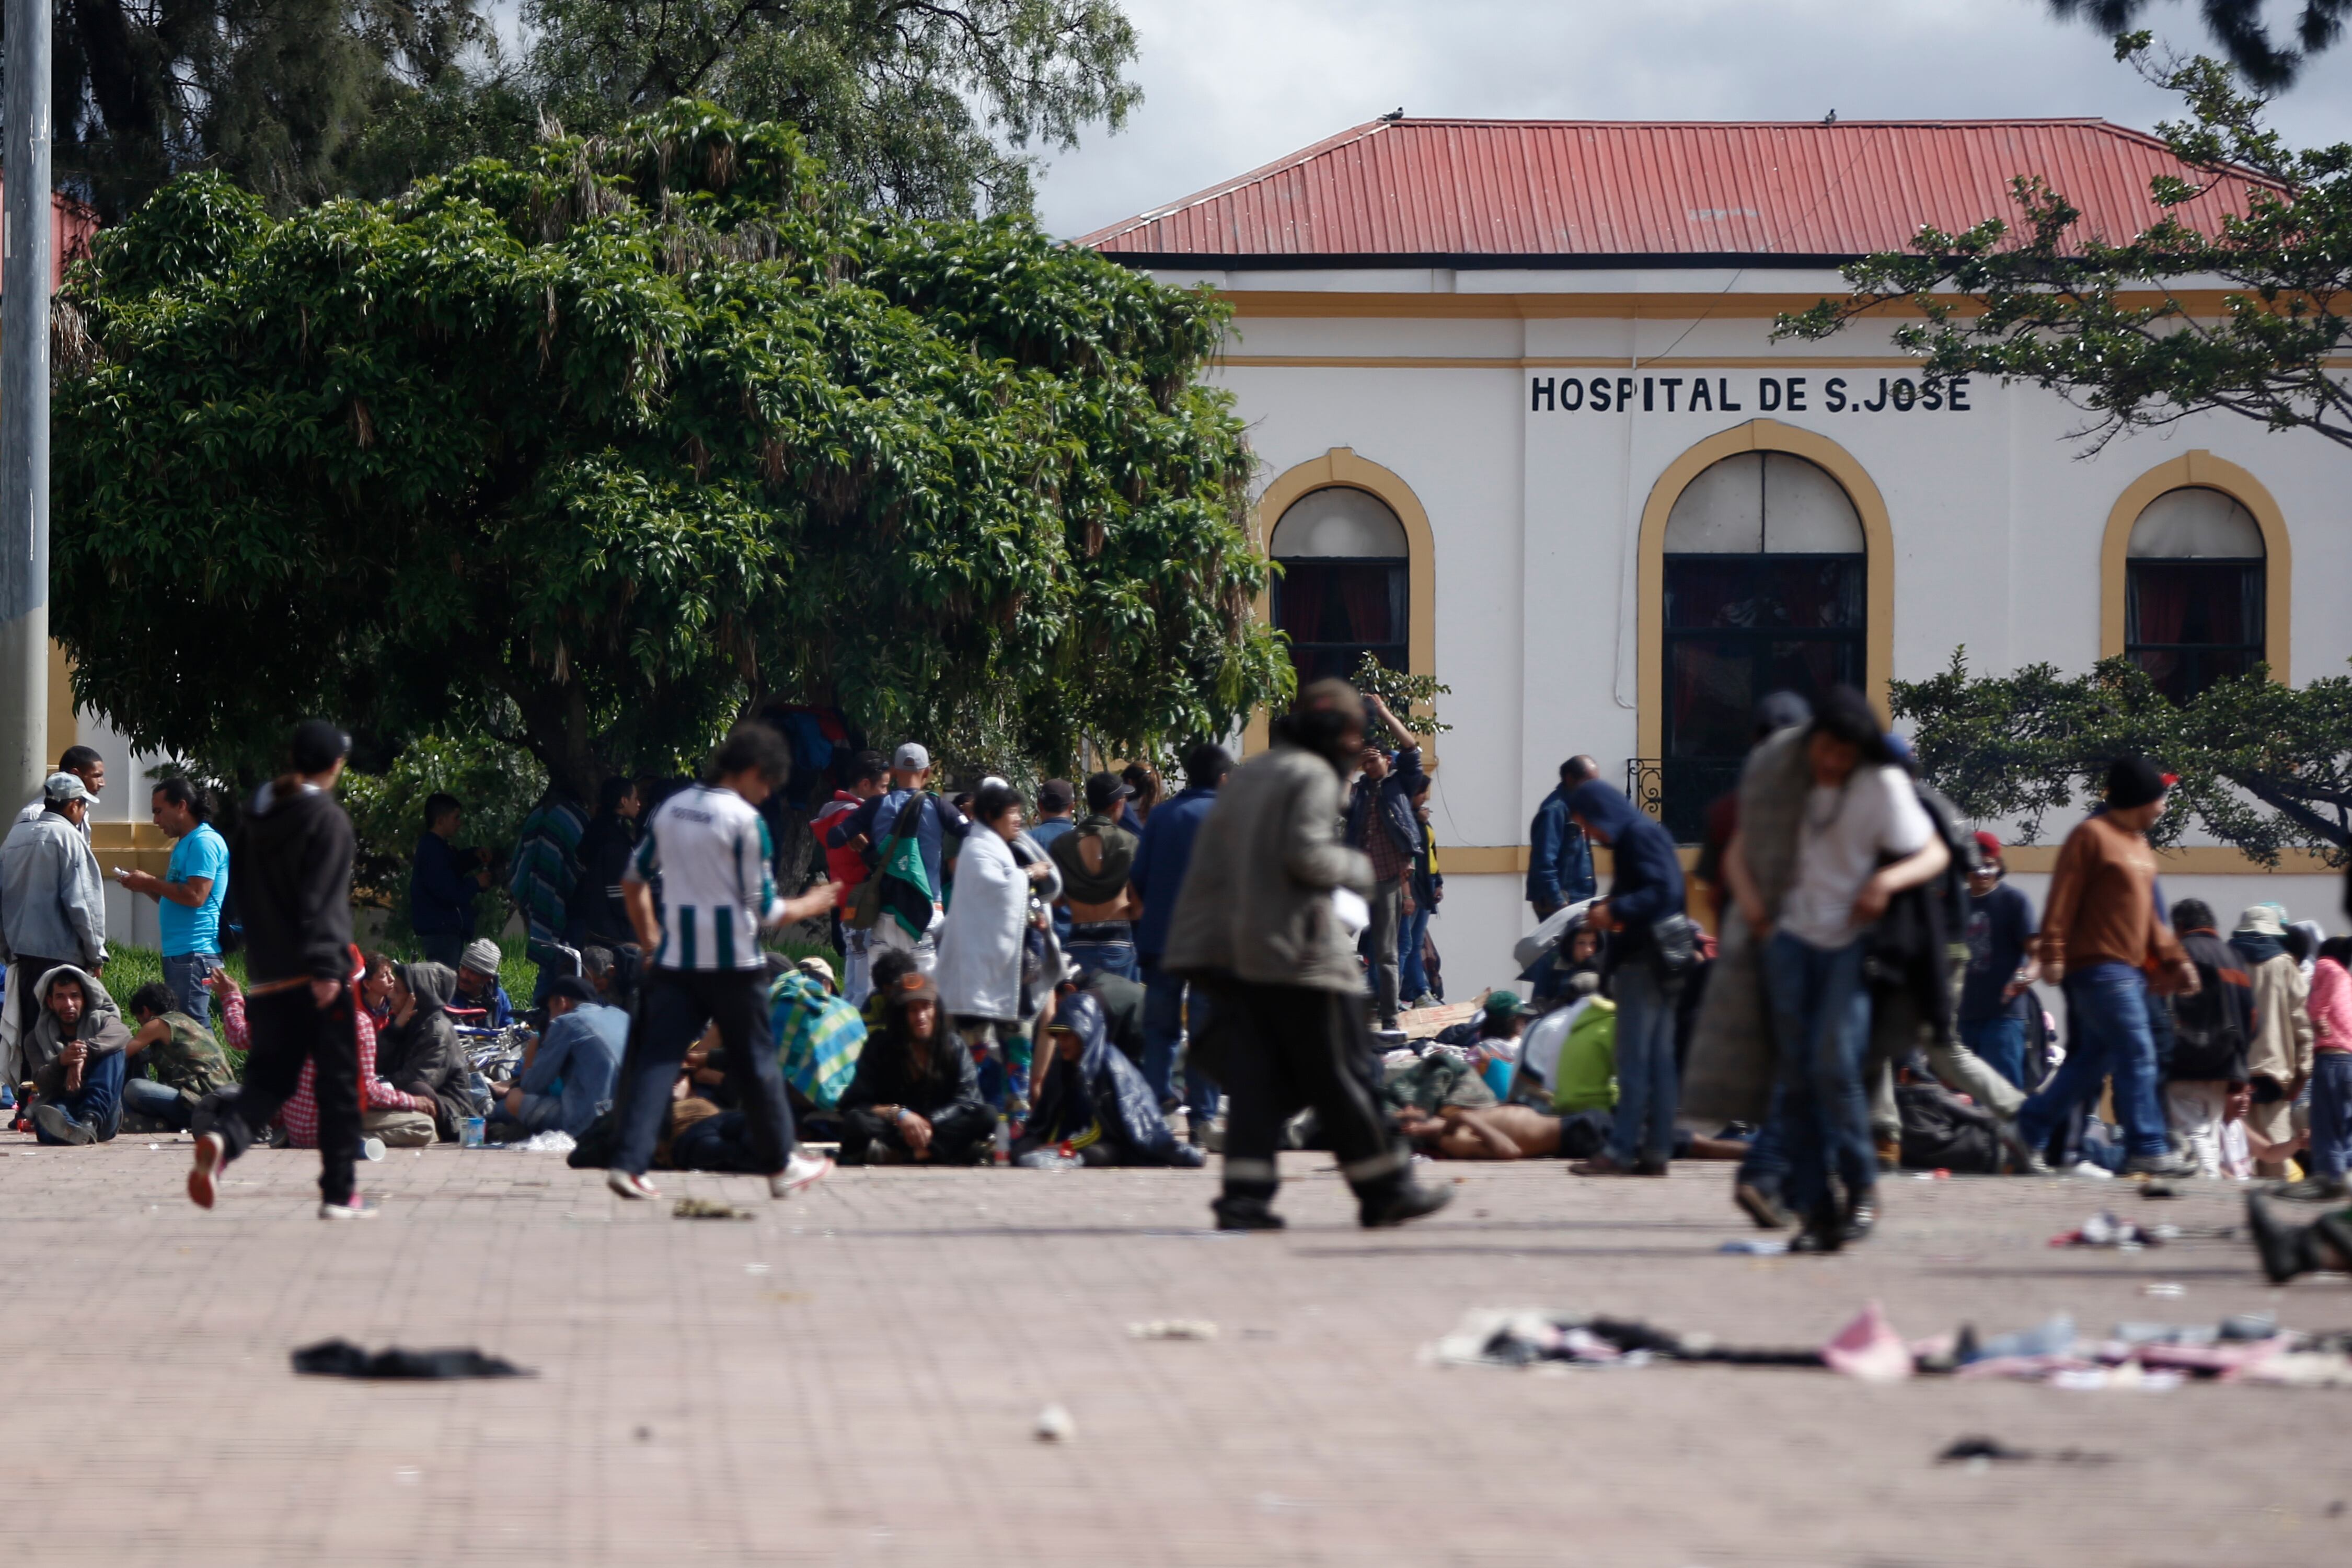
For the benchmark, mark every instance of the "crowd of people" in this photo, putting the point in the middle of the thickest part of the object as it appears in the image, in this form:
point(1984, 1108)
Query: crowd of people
point(1124, 979)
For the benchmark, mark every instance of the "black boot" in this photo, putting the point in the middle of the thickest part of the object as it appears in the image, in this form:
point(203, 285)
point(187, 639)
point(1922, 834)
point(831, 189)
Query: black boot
point(2285, 1250)
point(1234, 1213)
point(1393, 1204)
point(1825, 1230)
point(1861, 1217)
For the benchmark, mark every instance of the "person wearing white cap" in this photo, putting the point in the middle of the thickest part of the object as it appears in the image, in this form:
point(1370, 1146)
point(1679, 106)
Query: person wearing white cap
point(910, 878)
point(52, 900)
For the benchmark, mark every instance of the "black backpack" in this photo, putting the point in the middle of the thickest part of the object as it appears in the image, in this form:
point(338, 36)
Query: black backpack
point(2208, 1029)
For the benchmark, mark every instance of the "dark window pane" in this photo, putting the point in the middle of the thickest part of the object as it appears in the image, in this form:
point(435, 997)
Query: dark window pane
point(1337, 611)
point(2192, 623)
point(1710, 696)
point(1800, 592)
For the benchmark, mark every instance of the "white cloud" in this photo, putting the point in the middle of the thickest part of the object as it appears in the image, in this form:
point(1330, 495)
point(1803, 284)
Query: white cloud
point(1232, 84)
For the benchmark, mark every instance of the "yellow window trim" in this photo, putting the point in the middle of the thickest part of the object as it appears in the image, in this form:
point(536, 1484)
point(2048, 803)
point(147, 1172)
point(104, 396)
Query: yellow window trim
point(1878, 567)
point(1341, 466)
point(2201, 470)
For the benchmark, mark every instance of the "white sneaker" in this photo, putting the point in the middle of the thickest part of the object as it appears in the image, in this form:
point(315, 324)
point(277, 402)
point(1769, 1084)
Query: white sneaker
point(629, 1186)
point(358, 1208)
point(799, 1170)
point(204, 1179)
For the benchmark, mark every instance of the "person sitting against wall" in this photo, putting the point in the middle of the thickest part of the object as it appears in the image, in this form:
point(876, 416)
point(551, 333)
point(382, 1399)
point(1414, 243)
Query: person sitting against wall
point(915, 1097)
point(185, 1057)
point(1092, 1099)
point(75, 1049)
point(568, 1072)
point(477, 987)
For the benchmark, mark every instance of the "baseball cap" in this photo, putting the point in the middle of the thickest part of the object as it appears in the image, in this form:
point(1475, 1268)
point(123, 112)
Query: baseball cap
point(1055, 794)
point(317, 744)
point(1988, 845)
point(910, 758)
point(1506, 1005)
point(63, 787)
point(1106, 790)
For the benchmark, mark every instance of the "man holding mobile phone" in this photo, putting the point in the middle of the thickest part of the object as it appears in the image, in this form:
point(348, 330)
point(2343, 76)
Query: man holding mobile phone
point(187, 896)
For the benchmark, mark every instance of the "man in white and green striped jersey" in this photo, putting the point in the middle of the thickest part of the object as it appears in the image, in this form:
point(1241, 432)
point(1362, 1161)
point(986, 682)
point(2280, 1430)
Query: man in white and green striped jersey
point(709, 849)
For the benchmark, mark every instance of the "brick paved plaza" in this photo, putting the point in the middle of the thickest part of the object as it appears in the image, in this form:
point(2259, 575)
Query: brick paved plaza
point(854, 1377)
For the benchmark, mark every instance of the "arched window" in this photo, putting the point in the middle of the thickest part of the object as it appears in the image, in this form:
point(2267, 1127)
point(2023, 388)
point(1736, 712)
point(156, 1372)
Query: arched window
point(1343, 588)
point(1765, 592)
point(2194, 591)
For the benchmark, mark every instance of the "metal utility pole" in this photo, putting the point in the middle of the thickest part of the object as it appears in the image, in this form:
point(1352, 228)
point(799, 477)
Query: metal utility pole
point(27, 259)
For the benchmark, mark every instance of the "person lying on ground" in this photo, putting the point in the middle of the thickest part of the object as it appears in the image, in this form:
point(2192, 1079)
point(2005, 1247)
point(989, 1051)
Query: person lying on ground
point(1523, 1133)
point(1095, 1100)
point(917, 1096)
point(569, 1071)
point(76, 1051)
point(477, 988)
point(419, 1054)
point(185, 1057)
point(2287, 1250)
point(402, 1120)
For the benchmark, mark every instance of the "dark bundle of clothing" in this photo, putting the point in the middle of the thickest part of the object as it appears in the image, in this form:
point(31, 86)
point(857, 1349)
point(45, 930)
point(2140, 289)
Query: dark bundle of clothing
point(1941, 1132)
point(1099, 1104)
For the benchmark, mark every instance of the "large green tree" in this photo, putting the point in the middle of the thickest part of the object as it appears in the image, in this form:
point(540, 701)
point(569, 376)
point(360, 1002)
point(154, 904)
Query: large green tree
point(2099, 318)
point(593, 451)
point(2269, 57)
point(2263, 767)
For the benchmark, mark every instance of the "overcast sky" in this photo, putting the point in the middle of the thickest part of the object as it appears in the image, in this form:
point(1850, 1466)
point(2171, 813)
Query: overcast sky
point(1232, 84)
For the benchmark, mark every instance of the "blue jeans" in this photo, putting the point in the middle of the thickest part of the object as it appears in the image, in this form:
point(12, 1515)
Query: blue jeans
point(2331, 1113)
point(1108, 945)
point(1412, 981)
point(98, 1103)
point(158, 1100)
point(2107, 1035)
point(1821, 1121)
point(2000, 1043)
point(184, 974)
point(1164, 1008)
point(1644, 1128)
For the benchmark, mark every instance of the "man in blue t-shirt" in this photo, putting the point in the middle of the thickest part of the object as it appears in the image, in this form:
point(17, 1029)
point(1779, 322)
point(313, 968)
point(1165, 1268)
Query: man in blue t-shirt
point(187, 896)
point(2000, 934)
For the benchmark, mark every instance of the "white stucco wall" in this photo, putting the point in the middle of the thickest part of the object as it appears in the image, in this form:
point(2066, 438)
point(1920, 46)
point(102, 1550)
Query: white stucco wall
point(1997, 521)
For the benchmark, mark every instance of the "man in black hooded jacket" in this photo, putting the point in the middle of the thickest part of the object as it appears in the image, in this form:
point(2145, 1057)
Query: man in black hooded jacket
point(293, 856)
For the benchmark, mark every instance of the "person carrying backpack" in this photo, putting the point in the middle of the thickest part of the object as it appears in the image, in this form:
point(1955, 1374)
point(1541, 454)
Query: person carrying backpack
point(2209, 1034)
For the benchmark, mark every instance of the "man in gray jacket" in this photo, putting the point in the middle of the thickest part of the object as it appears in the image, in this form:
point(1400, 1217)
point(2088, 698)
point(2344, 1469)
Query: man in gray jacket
point(52, 903)
point(1258, 922)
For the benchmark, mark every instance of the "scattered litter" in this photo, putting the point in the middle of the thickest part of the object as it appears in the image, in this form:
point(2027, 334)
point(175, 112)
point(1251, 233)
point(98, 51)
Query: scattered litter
point(1524, 1336)
point(755, 1268)
point(2055, 1336)
point(1173, 1329)
point(2158, 1190)
point(154, 1145)
point(408, 1475)
point(340, 1357)
point(1755, 1246)
point(1869, 1349)
point(1055, 1425)
point(2163, 1287)
point(557, 1142)
point(1977, 1452)
point(2104, 1229)
point(708, 1208)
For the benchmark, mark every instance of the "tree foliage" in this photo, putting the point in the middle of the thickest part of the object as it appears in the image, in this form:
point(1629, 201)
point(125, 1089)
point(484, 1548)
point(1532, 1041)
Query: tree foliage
point(499, 785)
point(2242, 29)
point(926, 107)
point(2095, 318)
point(922, 106)
point(2263, 766)
point(593, 451)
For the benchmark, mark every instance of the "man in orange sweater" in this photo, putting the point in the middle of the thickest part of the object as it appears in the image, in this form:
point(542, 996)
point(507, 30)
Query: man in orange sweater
point(2101, 937)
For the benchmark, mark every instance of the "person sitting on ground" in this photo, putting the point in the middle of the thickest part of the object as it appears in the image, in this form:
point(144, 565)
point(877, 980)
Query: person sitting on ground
point(1525, 1132)
point(375, 986)
point(2286, 1249)
point(1125, 1004)
point(1095, 1100)
point(890, 965)
point(569, 1071)
point(916, 1096)
point(76, 1050)
point(399, 1119)
point(419, 1055)
point(1501, 1016)
point(185, 1057)
point(477, 986)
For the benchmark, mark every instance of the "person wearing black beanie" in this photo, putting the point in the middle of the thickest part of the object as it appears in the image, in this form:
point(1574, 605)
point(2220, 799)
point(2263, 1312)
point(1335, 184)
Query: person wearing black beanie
point(2100, 935)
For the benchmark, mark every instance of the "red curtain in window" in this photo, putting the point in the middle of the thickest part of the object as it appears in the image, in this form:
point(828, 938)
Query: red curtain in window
point(1364, 590)
point(2158, 611)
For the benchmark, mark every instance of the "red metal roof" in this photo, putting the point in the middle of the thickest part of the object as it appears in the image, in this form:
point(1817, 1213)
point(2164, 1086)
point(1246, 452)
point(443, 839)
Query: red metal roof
point(71, 227)
point(1472, 190)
